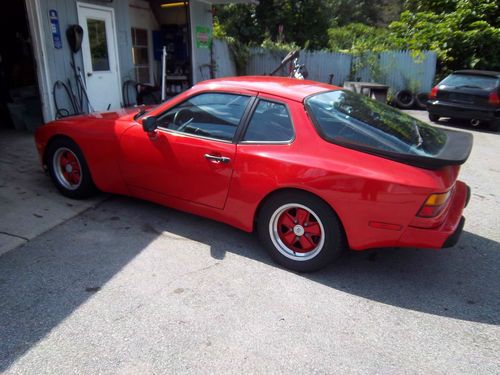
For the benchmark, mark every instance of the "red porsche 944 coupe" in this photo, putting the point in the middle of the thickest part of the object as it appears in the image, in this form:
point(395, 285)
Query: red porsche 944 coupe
point(312, 168)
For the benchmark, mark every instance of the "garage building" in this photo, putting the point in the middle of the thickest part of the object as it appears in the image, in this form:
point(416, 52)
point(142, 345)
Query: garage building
point(42, 77)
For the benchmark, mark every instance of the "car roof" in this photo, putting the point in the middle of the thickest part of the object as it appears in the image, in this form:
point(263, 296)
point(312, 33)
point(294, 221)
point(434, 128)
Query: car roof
point(489, 73)
point(291, 88)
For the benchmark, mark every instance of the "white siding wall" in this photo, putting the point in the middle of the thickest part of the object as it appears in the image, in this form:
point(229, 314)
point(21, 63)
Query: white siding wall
point(58, 60)
point(200, 15)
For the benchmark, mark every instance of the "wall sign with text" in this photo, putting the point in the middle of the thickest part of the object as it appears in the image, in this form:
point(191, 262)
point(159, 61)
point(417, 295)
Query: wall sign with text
point(203, 37)
point(55, 28)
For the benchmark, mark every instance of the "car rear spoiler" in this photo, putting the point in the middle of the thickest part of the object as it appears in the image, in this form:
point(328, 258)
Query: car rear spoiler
point(455, 151)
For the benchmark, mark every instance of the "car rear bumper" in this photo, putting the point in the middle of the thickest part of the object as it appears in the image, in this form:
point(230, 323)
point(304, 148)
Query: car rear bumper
point(462, 111)
point(448, 233)
point(453, 239)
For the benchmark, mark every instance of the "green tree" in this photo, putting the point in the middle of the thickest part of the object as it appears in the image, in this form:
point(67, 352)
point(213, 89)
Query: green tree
point(464, 33)
point(344, 12)
point(237, 21)
point(359, 37)
point(435, 6)
point(303, 22)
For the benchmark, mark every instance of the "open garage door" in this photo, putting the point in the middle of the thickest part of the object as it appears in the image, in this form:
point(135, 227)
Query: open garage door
point(20, 105)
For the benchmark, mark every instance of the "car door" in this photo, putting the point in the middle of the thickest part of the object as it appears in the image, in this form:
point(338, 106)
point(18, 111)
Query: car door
point(191, 154)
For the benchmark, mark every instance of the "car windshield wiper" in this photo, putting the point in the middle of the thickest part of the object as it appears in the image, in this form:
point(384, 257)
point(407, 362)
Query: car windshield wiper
point(140, 113)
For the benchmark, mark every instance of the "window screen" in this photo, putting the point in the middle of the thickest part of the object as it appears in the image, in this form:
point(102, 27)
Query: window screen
point(140, 55)
point(269, 123)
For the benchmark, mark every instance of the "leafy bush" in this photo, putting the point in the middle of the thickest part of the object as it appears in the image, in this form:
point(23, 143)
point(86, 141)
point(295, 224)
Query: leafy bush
point(358, 37)
point(464, 33)
point(240, 51)
point(278, 46)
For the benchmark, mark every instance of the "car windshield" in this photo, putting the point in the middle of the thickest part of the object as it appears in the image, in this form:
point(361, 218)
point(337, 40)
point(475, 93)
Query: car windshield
point(142, 111)
point(354, 120)
point(471, 81)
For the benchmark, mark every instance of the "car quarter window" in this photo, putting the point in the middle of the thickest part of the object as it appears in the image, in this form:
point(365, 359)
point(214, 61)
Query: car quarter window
point(270, 122)
point(213, 115)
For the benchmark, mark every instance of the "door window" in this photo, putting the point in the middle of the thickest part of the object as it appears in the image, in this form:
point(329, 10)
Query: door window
point(98, 44)
point(213, 115)
point(269, 123)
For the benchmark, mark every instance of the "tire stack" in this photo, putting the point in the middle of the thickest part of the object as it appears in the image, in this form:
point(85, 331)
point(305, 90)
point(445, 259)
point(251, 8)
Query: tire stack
point(406, 99)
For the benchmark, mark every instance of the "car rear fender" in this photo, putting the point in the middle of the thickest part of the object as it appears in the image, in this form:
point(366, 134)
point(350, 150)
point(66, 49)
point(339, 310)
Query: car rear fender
point(297, 190)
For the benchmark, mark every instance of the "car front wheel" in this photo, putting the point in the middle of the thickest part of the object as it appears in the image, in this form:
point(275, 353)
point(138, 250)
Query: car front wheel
point(300, 231)
point(68, 169)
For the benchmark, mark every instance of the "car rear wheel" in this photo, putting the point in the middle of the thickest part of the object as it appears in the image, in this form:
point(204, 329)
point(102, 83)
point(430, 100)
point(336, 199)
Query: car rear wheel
point(433, 118)
point(68, 169)
point(300, 231)
point(495, 125)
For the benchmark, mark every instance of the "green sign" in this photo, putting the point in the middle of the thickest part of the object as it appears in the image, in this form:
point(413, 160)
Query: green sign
point(203, 37)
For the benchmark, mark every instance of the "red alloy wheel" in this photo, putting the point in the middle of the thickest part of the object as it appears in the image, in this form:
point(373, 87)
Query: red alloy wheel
point(297, 232)
point(67, 168)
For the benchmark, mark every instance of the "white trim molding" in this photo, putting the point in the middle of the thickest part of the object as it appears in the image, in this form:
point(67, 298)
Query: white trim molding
point(37, 31)
point(116, 52)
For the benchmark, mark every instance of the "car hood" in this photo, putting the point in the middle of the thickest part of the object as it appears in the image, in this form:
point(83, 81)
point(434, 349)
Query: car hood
point(108, 115)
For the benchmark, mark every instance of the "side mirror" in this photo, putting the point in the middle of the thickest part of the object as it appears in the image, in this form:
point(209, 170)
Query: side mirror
point(149, 124)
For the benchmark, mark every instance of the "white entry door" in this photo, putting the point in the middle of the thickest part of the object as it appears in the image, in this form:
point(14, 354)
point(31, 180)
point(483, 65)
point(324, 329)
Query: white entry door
point(100, 56)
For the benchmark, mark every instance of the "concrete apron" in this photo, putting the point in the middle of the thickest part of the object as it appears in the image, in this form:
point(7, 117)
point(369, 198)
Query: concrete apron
point(30, 204)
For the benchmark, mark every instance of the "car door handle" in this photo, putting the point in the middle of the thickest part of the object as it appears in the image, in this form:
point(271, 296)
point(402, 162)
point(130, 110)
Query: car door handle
point(217, 159)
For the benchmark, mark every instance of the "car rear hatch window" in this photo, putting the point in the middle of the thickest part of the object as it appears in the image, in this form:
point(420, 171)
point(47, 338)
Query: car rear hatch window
point(357, 122)
point(467, 88)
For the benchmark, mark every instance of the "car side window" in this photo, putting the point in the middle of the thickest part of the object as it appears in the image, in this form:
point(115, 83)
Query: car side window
point(213, 115)
point(270, 122)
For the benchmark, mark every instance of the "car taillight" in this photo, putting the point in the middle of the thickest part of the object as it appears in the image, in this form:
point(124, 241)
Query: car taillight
point(433, 93)
point(434, 204)
point(494, 99)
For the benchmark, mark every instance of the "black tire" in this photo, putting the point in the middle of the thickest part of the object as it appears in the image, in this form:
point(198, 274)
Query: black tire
point(69, 186)
point(494, 125)
point(476, 123)
point(328, 245)
point(404, 99)
point(421, 100)
point(433, 117)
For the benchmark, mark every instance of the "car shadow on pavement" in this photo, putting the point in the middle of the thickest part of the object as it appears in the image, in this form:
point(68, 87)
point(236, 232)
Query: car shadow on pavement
point(459, 282)
point(51, 278)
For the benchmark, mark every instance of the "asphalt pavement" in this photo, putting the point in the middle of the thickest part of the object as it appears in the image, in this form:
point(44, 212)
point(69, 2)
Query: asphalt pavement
point(129, 287)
